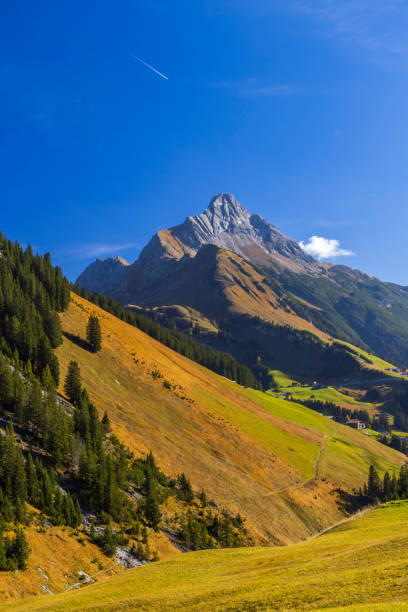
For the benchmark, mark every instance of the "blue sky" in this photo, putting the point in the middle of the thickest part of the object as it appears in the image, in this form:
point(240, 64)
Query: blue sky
point(299, 108)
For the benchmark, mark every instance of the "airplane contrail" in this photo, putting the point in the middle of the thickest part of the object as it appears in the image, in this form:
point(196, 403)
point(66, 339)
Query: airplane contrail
point(148, 66)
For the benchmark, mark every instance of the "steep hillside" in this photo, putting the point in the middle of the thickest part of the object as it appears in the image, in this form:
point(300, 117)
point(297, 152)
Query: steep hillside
point(360, 565)
point(275, 462)
point(220, 283)
point(60, 558)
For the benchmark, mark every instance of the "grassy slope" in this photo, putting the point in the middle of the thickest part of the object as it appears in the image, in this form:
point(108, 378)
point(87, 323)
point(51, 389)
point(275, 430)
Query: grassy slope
point(357, 565)
point(60, 555)
point(252, 453)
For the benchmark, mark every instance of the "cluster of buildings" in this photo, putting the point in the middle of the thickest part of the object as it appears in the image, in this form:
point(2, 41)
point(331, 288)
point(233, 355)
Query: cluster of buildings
point(401, 371)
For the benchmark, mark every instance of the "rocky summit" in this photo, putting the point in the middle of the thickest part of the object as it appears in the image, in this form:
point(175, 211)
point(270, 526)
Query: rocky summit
point(226, 223)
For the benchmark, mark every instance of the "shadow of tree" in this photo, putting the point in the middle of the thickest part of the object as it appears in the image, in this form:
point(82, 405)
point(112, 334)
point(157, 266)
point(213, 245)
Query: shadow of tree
point(350, 502)
point(78, 341)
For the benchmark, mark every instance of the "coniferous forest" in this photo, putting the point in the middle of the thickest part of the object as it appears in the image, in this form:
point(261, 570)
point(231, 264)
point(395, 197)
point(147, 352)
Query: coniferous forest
point(59, 457)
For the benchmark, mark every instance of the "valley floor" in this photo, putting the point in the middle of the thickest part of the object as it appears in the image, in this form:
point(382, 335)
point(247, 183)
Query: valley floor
point(359, 565)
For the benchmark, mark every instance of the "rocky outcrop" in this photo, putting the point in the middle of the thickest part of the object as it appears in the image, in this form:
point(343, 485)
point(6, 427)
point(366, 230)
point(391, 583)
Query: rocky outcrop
point(104, 275)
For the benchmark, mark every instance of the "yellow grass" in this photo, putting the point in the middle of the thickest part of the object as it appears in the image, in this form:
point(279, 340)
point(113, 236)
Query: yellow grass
point(256, 455)
point(360, 565)
point(58, 555)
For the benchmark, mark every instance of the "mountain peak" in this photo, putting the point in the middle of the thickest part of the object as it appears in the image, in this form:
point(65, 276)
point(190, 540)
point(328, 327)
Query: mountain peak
point(228, 224)
point(223, 214)
point(226, 205)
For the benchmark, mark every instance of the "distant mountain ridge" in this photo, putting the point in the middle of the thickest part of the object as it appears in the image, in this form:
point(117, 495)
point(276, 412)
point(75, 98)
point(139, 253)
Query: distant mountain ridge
point(270, 277)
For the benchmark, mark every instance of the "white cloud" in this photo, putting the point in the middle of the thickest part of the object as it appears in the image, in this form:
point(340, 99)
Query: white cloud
point(324, 248)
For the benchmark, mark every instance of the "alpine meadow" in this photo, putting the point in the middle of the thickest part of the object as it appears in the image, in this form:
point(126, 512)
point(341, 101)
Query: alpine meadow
point(204, 306)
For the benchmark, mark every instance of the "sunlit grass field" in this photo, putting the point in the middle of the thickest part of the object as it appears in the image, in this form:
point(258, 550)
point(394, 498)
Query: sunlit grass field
point(330, 394)
point(360, 563)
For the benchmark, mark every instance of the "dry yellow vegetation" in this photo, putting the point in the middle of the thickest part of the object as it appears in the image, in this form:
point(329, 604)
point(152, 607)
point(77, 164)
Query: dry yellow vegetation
point(57, 556)
point(275, 462)
point(360, 565)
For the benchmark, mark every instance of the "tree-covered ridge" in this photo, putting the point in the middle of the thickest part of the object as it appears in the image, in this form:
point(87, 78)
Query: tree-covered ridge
point(32, 291)
point(61, 458)
point(217, 361)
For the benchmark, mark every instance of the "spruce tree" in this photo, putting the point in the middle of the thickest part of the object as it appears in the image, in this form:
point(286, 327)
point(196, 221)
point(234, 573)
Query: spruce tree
point(21, 549)
point(72, 385)
point(152, 511)
point(94, 334)
point(373, 485)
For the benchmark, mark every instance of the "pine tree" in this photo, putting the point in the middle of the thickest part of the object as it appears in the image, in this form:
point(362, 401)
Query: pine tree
point(32, 482)
point(94, 334)
point(386, 490)
point(73, 383)
point(47, 379)
point(108, 542)
point(185, 492)
point(152, 511)
point(106, 422)
point(373, 485)
point(78, 514)
point(21, 549)
point(203, 498)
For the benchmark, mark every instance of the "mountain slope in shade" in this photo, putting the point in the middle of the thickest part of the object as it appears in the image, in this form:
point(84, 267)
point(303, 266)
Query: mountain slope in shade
point(219, 283)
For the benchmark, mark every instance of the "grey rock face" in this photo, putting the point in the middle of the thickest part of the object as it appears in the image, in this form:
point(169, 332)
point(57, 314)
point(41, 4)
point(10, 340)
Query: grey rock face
point(104, 275)
point(226, 223)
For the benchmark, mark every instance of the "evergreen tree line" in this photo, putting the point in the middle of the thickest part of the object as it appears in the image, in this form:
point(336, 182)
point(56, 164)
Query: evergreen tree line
point(207, 530)
point(217, 361)
point(337, 412)
point(378, 423)
point(32, 291)
point(397, 404)
point(36, 412)
point(387, 489)
point(101, 470)
point(394, 442)
point(30, 481)
point(102, 473)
